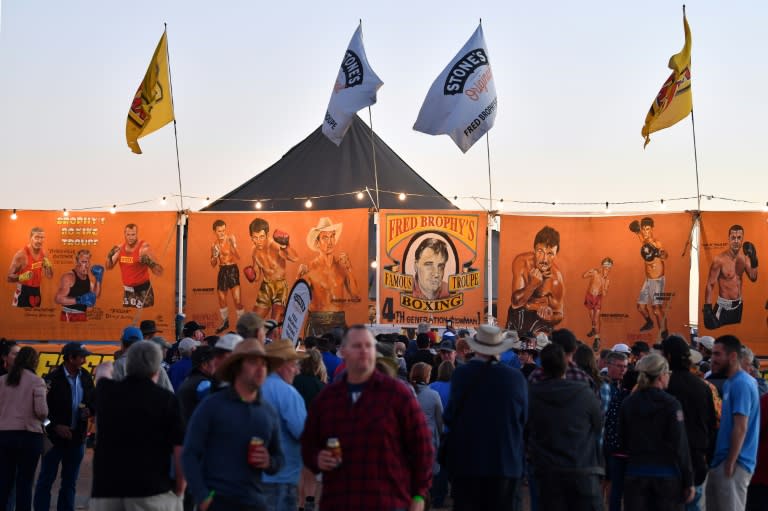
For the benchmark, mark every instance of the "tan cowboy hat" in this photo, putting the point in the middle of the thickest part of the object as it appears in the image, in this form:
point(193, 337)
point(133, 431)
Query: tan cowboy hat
point(489, 340)
point(248, 348)
point(323, 225)
point(284, 350)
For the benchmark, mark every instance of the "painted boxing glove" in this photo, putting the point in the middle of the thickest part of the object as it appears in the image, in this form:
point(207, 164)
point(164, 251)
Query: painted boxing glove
point(26, 276)
point(88, 299)
point(47, 263)
point(710, 320)
point(750, 251)
point(634, 226)
point(249, 273)
point(648, 252)
point(114, 250)
point(146, 260)
point(281, 237)
point(98, 272)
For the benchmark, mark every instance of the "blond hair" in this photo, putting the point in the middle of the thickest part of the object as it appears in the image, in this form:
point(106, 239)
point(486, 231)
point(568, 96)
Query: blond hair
point(650, 367)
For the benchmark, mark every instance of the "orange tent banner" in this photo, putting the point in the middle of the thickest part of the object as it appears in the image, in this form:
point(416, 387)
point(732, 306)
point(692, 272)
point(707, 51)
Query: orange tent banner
point(250, 261)
point(618, 279)
point(51, 296)
point(433, 267)
point(731, 288)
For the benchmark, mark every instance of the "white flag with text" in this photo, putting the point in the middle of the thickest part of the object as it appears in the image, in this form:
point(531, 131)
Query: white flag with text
point(355, 88)
point(462, 100)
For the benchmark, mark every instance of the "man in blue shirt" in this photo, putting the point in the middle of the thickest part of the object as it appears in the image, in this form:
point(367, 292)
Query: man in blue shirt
point(278, 390)
point(223, 459)
point(736, 446)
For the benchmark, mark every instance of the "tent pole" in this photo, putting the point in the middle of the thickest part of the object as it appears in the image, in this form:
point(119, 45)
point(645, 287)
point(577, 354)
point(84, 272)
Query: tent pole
point(373, 155)
point(491, 216)
point(182, 222)
point(376, 220)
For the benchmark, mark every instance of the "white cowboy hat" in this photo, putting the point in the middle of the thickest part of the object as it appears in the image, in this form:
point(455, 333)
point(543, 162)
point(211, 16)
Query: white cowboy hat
point(323, 225)
point(489, 340)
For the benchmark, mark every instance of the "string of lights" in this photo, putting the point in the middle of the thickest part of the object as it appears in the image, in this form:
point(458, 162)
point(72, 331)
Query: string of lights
point(259, 203)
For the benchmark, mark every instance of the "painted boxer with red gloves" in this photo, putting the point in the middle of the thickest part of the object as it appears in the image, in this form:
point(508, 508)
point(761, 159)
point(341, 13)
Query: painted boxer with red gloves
point(76, 291)
point(727, 270)
point(651, 298)
point(269, 262)
point(28, 267)
point(136, 261)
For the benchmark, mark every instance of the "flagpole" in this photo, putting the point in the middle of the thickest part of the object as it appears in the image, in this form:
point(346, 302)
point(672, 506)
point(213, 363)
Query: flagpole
point(696, 163)
point(182, 216)
point(175, 134)
point(491, 215)
point(373, 155)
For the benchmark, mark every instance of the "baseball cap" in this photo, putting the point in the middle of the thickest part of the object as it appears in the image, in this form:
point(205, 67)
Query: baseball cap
point(131, 334)
point(188, 344)
point(228, 342)
point(74, 349)
point(707, 341)
point(621, 348)
point(446, 345)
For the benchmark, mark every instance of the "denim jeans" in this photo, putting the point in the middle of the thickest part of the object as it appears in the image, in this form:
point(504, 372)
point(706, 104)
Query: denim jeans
point(19, 455)
point(694, 505)
point(280, 496)
point(69, 456)
point(617, 465)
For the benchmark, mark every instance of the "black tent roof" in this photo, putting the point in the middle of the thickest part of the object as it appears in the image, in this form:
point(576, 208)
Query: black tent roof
point(316, 167)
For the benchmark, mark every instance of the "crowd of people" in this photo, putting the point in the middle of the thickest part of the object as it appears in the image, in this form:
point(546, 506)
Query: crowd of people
point(479, 420)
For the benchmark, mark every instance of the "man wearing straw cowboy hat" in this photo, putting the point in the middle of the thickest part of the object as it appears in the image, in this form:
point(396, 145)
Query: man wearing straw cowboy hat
point(278, 390)
point(233, 436)
point(486, 471)
point(329, 276)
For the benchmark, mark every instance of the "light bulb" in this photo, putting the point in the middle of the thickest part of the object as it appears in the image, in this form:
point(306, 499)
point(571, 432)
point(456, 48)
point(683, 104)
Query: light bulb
point(206, 201)
point(65, 212)
point(14, 216)
point(360, 196)
point(374, 264)
point(163, 201)
point(308, 204)
point(257, 205)
point(113, 209)
point(401, 196)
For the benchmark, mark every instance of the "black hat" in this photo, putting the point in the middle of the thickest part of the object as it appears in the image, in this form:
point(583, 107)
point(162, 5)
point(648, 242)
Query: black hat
point(73, 349)
point(640, 347)
point(202, 355)
point(148, 327)
point(190, 327)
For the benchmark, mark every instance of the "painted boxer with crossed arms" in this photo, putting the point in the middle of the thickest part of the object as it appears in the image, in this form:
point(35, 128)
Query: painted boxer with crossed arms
point(269, 261)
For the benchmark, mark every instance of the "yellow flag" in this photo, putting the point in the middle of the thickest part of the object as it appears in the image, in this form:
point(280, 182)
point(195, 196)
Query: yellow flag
point(674, 101)
point(152, 106)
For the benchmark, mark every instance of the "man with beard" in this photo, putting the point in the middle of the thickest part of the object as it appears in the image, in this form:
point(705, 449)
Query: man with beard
point(76, 291)
point(136, 260)
point(537, 286)
point(727, 270)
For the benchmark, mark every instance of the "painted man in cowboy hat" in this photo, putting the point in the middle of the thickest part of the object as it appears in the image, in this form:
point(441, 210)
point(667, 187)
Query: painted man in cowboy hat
point(487, 470)
point(223, 469)
point(278, 390)
point(330, 277)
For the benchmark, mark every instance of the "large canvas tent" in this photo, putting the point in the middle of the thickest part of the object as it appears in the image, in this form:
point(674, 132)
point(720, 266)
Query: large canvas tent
point(315, 167)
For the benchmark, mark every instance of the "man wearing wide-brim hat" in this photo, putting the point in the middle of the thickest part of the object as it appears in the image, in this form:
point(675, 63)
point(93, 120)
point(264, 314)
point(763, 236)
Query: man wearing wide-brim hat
point(330, 277)
point(281, 488)
point(223, 469)
point(488, 403)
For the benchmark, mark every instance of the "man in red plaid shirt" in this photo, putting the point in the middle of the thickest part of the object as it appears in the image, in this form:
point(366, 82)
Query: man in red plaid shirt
point(386, 448)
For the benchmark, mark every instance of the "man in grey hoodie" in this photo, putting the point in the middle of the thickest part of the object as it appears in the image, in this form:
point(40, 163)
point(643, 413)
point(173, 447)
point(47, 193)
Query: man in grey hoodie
point(564, 424)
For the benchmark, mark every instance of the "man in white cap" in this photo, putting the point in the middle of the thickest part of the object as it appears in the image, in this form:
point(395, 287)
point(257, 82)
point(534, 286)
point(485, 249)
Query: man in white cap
point(486, 471)
point(330, 277)
point(281, 488)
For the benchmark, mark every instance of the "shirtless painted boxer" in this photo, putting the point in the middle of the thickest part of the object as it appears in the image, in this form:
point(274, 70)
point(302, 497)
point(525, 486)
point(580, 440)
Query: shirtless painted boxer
point(597, 288)
point(537, 286)
point(651, 298)
point(224, 254)
point(727, 270)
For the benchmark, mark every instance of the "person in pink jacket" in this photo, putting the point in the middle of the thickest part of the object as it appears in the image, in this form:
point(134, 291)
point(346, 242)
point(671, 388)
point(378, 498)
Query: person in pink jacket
point(23, 409)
